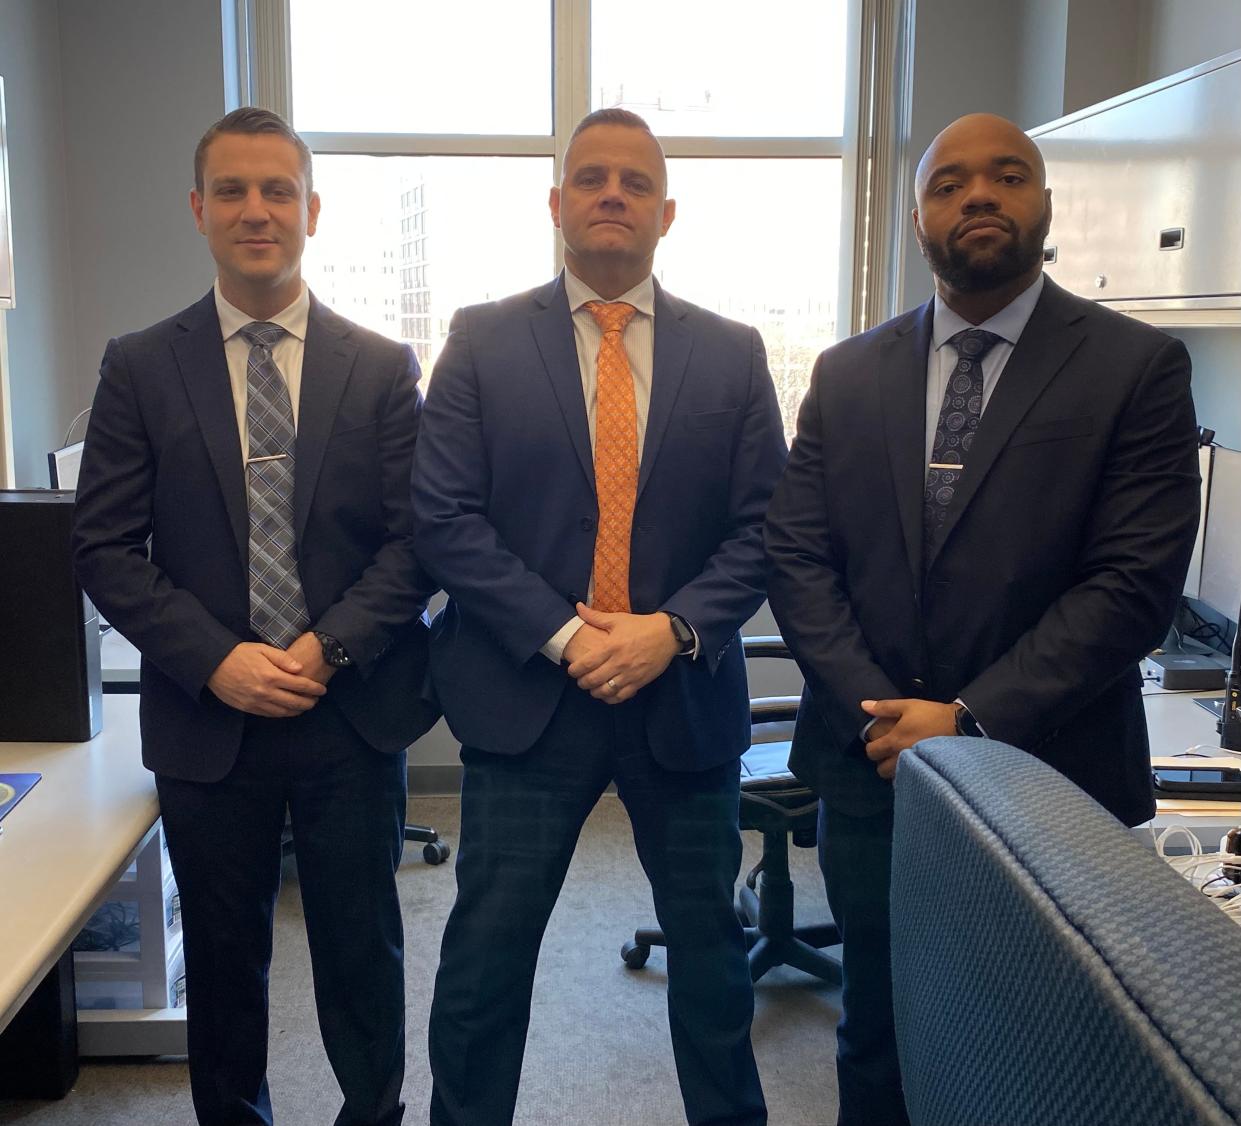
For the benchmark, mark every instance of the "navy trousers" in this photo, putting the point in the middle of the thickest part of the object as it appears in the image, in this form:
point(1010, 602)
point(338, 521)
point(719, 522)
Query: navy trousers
point(520, 820)
point(346, 802)
point(855, 855)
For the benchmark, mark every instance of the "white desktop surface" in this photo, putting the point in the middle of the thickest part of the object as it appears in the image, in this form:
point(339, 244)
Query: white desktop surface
point(119, 659)
point(66, 842)
point(1176, 724)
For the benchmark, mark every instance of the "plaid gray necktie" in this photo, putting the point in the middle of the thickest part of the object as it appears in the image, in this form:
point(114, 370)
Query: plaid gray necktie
point(277, 605)
point(954, 433)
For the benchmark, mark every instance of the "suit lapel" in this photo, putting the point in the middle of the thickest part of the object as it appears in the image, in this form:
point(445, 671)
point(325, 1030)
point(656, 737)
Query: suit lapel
point(327, 360)
point(1050, 337)
point(199, 353)
point(674, 341)
point(552, 326)
point(902, 390)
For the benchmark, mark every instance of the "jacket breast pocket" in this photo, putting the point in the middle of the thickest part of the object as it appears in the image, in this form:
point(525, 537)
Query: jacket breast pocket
point(711, 420)
point(1054, 430)
point(352, 434)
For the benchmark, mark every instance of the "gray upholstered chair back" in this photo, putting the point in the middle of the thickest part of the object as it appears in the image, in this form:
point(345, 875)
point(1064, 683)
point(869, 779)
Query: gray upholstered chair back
point(1048, 968)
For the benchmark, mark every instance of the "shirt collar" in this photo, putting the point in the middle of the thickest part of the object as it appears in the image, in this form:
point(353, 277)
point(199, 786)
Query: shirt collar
point(292, 319)
point(641, 297)
point(1008, 323)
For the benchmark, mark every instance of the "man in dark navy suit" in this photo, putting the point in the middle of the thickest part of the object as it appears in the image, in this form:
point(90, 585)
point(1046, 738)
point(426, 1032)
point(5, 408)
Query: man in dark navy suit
point(263, 445)
point(589, 487)
point(985, 522)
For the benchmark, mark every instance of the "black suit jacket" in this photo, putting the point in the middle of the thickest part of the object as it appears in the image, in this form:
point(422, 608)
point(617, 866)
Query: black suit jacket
point(163, 461)
point(1060, 566)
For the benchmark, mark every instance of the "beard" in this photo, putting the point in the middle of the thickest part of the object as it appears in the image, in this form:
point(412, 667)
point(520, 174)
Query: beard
point(954, 265)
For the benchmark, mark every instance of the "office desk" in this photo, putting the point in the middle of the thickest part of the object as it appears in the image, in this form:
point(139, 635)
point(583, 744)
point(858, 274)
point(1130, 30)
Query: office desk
point(120, 661)
point(66, 843)
point(1176, 724)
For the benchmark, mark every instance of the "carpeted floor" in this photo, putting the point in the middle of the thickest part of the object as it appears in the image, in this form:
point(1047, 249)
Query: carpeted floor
point(598, 1052)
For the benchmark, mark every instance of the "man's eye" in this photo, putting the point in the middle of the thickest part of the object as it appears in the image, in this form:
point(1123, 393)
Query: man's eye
point(1013, 178)
point(638, 187)
point(945, 189)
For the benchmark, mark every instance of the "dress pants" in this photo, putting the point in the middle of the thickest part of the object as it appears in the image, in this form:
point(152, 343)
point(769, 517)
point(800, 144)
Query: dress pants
point(855, 854)
point(520, 819)
point(346, 802)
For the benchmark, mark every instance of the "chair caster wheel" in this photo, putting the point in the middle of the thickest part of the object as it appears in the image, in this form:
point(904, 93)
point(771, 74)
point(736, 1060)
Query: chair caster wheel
point(436, 852)
point(635, 955)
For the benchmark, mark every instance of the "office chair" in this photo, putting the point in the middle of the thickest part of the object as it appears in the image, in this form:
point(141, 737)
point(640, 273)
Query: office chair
point(776, 804)
point(1047, 966)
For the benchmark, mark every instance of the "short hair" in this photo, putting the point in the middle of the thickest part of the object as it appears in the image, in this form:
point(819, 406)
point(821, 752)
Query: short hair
point(251, 120)
point(612, 115)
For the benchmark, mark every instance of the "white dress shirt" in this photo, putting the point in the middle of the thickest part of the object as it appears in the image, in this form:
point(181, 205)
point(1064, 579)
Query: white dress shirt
point(639, 342)
point(287, 353)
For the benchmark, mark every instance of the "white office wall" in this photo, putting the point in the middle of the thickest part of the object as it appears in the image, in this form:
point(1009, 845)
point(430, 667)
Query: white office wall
point(142, 81)
point(41, 327)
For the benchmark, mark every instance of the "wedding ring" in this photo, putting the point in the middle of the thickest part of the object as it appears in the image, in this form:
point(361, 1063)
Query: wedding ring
point(612, 685)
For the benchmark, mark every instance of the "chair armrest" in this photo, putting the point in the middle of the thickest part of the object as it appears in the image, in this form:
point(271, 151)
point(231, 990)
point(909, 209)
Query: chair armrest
point(771, 646)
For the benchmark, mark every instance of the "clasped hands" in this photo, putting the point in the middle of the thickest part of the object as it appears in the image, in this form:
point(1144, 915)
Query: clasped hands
point(263, 680)
point(612, 656)
point(899, 724)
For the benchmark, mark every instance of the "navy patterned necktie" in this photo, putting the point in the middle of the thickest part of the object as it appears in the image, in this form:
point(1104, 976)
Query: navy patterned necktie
point(277, 604)
point(955, 430)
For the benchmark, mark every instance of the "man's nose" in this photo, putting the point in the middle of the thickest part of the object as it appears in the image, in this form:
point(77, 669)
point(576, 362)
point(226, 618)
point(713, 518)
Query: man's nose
point(255, 208)
point(612, 193)
point(980, 195)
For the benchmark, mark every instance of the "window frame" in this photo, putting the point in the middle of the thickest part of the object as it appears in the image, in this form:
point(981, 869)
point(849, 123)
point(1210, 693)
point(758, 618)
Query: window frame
point(874, 212)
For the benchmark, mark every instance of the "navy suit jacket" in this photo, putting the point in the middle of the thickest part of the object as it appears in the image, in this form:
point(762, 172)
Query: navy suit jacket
point(163, 461)
point(505, 515)
point(1061, 563)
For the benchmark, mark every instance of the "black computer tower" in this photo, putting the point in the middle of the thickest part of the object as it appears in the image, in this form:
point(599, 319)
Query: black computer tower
point(51, 687)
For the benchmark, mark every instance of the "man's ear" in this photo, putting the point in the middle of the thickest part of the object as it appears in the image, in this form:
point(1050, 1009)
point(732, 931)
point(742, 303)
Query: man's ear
point(553, 205)
point(312, 212)
point(196, 206)
point(670, 213)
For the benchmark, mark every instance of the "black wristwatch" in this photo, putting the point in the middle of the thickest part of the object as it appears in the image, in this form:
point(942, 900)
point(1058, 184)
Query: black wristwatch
point(333, 651)
point(683, 633)
point(966, 724)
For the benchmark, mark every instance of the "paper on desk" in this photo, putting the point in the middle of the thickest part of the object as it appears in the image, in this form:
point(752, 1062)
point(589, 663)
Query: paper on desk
point(14, 787)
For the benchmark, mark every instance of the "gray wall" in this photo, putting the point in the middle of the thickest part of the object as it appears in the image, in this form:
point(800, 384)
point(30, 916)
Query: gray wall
point(1182, 33)
point(964, 62)
point(142, 80)
point(43, 384)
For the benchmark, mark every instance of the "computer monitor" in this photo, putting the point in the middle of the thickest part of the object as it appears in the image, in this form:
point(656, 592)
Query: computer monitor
point(63, 466)
point(1193, 577)
point(1220, 583)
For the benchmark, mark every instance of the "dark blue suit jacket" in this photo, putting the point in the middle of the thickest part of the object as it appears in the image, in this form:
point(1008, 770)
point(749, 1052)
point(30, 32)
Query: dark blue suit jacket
point(505, 515)
point(1060, 565)
point(163, 461)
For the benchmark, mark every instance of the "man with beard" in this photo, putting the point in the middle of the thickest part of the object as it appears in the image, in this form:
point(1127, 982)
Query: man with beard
point(984, 523)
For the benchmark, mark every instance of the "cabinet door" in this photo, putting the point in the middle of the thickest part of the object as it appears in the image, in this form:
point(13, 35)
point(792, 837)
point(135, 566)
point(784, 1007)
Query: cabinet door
point(1144, 193)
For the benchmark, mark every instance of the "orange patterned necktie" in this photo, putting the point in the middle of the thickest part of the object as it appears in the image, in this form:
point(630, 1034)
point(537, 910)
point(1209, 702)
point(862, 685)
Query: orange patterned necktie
point(616, 458)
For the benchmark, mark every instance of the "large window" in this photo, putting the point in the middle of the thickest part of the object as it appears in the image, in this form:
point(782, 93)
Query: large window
point(439, 125)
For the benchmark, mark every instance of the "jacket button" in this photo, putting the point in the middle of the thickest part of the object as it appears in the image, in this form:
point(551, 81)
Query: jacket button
point(586, 524)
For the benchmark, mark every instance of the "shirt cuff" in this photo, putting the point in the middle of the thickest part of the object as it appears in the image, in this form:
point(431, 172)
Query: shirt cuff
point(553, 648)
point(693, 653)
